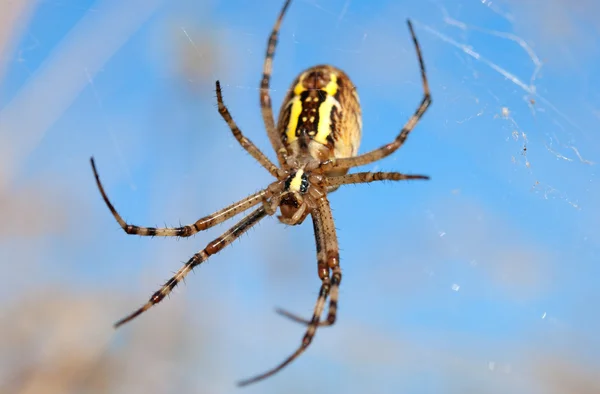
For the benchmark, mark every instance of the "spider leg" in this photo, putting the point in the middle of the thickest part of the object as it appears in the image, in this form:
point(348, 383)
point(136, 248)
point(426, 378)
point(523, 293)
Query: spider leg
point(187, 230)
point(265, 96)
point(294, 317)
point(307, 339)
point(322, 268)
point(328, 250)
point(329, 225)
point(333, 259)
point(367, 177)
point(244, 142)
point(212, 248)
point(360, 177)
point(390, 148)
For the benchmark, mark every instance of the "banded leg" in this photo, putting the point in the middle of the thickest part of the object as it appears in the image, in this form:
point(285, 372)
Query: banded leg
point(212, 248)
point(332, 310)
point(333, 258)
point(306, 340)
point(390, 148)
point(265, 95)
point(187, 230)
point(367, 177)
point(361, 177)
point(322, 268)
point(323, 220)
point(244, 142)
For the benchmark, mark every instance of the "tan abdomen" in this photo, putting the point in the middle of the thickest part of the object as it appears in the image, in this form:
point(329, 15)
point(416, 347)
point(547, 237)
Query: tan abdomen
point(321, 117)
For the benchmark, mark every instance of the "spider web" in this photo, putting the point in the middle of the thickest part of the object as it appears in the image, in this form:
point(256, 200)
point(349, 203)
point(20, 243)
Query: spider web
point(478, 280)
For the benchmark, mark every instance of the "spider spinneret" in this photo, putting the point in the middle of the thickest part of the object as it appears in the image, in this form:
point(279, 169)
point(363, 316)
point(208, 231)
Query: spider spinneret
point(316, 140)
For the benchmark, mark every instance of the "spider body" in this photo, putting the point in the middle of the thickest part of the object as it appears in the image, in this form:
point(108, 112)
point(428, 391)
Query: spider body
point(320, 119)
point(316, 140)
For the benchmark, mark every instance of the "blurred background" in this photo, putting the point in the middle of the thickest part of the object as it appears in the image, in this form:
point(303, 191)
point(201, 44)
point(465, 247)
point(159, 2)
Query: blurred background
point(482, 280)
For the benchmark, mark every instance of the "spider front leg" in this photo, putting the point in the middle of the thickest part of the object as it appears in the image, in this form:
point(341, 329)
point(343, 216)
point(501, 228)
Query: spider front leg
point(328, 259)
point(265, 96)
point(244, 142)
point(213, 247)
point(324, 266)
point(388, 149)
point(332, 310)
point(306, 340)
point(187, 230)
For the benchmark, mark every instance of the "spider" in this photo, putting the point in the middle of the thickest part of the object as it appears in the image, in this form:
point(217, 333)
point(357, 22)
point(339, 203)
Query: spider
point(316, 141)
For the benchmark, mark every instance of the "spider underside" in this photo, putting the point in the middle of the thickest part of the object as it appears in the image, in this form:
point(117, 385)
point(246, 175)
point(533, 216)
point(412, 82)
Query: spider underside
point(316, 140)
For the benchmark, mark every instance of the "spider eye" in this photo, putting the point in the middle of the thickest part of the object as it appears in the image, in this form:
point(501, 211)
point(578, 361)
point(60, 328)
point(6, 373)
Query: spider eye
point(303, 184)
point(297, 182)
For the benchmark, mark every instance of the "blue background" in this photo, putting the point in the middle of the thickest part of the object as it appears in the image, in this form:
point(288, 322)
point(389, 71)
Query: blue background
point(484, 279)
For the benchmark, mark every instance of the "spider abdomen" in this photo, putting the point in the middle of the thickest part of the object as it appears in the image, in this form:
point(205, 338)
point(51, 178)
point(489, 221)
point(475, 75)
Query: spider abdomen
point(320, 116)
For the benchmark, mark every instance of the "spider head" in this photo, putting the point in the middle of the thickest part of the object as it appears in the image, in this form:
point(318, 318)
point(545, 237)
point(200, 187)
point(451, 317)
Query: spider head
point(293, 200)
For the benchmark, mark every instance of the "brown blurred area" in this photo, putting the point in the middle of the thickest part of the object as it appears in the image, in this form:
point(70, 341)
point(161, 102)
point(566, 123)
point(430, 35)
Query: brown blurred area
point(13, 16)
point(61, 345)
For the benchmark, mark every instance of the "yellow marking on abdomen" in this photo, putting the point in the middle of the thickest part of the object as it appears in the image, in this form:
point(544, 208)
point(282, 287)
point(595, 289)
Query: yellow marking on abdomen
point(299, 88)
point(324, 126)
point(332, 86)
point(296, 109)
point(295, 112)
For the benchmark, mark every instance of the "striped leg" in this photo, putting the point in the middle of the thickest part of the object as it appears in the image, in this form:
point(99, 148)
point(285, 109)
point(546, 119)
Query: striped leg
point(212, 248)
point(390, 148)
point(332, 310)
point(265, 96)
point(367, 177)
point(327, 239)
point(308, 336)
point(244, 142)
point(322, 268)
point(361, 177)
point(190, 229)
point(332, 250)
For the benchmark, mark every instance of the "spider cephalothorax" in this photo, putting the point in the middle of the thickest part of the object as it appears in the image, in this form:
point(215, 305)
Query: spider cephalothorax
point(299, 195)
point(316, 140)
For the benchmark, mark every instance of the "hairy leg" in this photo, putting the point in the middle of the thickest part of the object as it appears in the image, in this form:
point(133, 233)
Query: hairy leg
point(212, 248)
